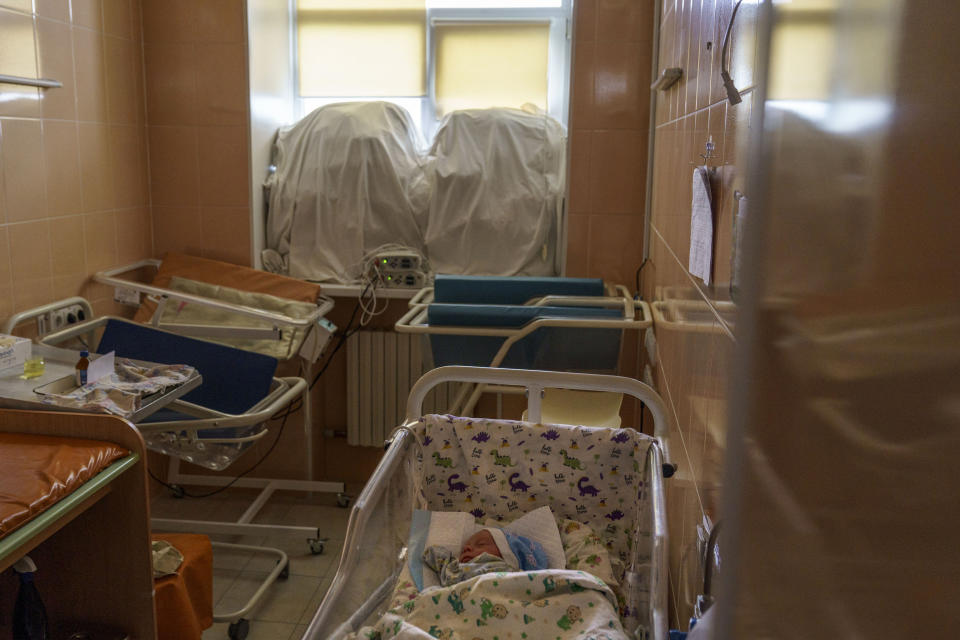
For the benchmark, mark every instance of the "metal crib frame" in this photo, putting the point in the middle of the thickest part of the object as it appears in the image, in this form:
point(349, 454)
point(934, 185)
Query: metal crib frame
point(283, 391)
point(415, 321)
point(111, 277)
point(534, 383)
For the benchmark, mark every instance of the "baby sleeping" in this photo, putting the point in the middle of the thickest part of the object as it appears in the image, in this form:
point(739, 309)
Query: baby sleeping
point(489, 550)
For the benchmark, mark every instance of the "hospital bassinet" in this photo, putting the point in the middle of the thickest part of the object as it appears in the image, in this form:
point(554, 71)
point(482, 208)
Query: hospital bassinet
point(610, 478)
point(553, 324)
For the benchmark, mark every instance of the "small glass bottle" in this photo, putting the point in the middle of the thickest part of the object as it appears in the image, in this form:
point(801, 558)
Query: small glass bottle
point(82, 365)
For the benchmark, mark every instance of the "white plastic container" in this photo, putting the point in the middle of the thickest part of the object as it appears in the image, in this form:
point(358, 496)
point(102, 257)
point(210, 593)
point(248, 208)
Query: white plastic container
point(14, 351)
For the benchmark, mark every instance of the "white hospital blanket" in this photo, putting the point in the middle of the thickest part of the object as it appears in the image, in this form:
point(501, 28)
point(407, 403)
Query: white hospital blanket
point(535, 604)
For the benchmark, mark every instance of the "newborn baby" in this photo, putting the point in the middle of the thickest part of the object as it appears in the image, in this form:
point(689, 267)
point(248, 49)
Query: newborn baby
point(489, 550)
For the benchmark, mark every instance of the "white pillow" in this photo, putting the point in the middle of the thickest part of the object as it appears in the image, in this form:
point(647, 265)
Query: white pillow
point(540, 526)
point(449, 530)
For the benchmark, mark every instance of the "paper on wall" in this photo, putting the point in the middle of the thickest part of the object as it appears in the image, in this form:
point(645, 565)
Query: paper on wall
point(701, 226)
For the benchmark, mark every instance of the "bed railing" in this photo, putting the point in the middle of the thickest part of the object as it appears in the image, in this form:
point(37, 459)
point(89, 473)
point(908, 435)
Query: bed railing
point(111, 277)
point(535, 382)
point(636, 315)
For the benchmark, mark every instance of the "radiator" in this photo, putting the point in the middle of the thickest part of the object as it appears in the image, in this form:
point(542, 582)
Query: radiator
point(381, 368)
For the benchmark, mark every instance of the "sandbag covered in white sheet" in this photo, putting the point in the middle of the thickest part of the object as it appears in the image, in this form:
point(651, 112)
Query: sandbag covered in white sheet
point(497, 177)
point(349, 179)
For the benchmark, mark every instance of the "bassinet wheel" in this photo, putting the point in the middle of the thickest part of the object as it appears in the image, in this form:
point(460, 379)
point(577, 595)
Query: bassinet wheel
point(238, 630)
point(316, 546)
point(285, 572)
point(343, 500)
point(177, 491)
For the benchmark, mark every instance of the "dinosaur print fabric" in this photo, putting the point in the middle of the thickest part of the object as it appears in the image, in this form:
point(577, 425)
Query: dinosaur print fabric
point(531, 605)
point(502, 469)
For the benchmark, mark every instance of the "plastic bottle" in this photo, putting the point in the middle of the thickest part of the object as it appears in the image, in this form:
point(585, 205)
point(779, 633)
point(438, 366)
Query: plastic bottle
point(82, 365)
point(29, 614)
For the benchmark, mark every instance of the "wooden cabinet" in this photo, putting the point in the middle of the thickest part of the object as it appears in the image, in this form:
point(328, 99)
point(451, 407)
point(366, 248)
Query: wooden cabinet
point(93, 557)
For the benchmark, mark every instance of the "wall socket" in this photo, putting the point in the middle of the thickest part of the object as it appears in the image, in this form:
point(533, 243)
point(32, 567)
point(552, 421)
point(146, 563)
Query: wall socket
point(60, 318)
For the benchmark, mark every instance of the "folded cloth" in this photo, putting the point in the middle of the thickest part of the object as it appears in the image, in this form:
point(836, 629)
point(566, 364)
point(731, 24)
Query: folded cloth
point(120, 392)
point(166, 558)
point(519, 551)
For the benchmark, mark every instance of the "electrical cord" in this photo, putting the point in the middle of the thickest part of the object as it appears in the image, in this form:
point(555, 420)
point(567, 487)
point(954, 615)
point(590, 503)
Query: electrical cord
point(733, 94)
point(187, 494)
point(370, 310)
point(348, 331)
point(637, 277)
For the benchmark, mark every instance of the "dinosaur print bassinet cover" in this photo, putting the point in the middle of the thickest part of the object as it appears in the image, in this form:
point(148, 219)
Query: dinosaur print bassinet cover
point(502, 469)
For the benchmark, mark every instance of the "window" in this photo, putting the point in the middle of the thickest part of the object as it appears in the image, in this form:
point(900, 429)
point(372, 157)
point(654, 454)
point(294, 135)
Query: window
point(434, 56)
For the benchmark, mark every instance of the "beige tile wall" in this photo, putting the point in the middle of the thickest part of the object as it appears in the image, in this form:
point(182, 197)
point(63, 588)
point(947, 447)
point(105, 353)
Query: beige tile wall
point(609, 127)
point(73, 168)
point(195, 56)
point(695, 353)
point(608, 138)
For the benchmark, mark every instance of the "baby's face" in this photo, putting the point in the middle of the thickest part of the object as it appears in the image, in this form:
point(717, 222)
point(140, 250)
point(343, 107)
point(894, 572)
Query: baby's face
point(480, 542)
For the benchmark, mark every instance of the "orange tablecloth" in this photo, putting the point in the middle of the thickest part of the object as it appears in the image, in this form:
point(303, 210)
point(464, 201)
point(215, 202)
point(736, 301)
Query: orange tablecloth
point(185, 600)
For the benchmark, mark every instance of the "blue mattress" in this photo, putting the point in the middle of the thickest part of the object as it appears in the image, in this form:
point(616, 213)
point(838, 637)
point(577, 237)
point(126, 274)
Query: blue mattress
point(515, 290)
point(233, 380)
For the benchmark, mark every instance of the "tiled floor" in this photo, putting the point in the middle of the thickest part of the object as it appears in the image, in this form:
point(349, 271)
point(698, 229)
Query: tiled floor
point(289, 605)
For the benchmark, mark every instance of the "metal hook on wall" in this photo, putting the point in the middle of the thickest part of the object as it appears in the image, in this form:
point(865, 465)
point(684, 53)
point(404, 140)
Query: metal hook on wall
point(707, 155)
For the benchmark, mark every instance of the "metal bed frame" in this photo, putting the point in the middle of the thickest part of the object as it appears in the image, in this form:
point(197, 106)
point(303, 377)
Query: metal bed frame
point(282, 392)
point(636, 316)
point(163, 295)
point(534, 383)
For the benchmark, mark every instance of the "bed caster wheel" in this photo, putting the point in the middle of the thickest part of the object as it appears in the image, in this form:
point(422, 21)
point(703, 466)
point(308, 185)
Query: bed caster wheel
point(177, 491)
point(239, 630)
point(343, 500)
point(316, 546)
point(285, 572)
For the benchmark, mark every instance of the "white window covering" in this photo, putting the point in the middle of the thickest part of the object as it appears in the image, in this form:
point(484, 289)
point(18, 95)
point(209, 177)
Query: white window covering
point(491, 64)
point(372, 48)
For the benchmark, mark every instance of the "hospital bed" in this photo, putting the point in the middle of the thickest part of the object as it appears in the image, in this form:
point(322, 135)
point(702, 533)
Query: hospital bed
point(557, 324)
point(223, 302)
point(241, 307)
point(377, 545)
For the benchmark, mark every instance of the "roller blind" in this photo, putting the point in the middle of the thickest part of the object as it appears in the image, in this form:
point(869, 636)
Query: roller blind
point(804, 51)
point(491, 64)
point(370, 48)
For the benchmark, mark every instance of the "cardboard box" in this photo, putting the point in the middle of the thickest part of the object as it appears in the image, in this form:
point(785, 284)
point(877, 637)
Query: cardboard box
point(14, 351)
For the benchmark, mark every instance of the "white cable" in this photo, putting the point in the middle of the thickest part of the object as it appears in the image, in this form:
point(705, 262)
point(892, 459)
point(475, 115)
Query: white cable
point(371, 283)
